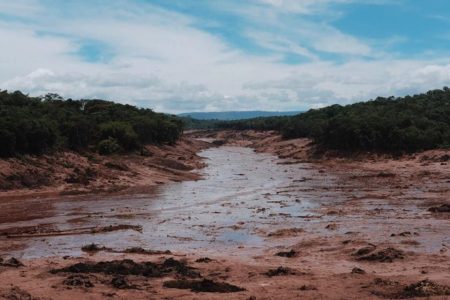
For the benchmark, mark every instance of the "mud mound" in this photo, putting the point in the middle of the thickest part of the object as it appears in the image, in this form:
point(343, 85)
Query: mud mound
point(365, 250)
point(280, 271)
point(205, 260)
point(205, 285)
point(129, 267)
point(12, 262)
point(286, 232)
point(385, 255)
point(139, 250)
point(91, 248)
point(289, 254)
point(444, 208)
point(357, 270)
point(121, 283)
point(16, 293)
point(171, 163)
point(306, 287)
point(42, 231)
point(78, 280)
point(425, 288)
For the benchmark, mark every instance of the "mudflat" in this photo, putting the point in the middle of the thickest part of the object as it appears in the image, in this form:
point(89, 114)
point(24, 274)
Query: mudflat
point(268, 220)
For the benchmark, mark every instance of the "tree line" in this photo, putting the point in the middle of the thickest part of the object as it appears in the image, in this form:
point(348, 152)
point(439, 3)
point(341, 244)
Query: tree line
point(394, 125)
point(31, 125)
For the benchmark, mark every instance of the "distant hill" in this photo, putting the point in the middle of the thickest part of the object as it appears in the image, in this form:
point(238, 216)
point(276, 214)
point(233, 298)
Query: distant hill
point(236, 115)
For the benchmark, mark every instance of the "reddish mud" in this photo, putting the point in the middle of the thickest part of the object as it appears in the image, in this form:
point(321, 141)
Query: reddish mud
point(256, 227)
point(70, 173)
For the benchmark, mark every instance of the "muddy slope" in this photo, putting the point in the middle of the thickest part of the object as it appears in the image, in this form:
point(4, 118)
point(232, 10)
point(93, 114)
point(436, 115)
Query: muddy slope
point(72, 173)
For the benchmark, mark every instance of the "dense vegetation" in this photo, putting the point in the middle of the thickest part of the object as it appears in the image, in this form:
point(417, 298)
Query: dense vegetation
point(407, 124)
point(34, 125)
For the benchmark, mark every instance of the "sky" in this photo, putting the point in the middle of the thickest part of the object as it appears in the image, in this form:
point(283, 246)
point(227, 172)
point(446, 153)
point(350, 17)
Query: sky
point(215, 55)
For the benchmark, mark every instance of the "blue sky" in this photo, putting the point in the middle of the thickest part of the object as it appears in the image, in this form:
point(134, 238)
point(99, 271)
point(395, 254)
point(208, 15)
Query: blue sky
point(209, 55)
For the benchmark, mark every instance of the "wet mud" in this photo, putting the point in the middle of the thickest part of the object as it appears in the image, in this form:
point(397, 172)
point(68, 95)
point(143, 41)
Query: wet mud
point(369, 228)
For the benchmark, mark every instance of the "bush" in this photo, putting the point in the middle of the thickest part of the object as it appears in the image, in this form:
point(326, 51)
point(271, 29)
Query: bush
point(108, 146)
point(122, 132)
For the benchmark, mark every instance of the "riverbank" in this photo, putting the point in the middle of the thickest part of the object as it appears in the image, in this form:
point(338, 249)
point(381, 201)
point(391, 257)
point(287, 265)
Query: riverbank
point(71, 173)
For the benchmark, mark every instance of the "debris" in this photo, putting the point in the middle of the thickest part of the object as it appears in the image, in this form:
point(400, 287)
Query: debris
point(280, 271)
point(291, 253)
point(129, 267)
point(93, 248)
point(365, 250)
point(385, 255)
point(331, 226)
point(139, 250)
point(12, 262)
point(425, 288)
point(444, 208)
point(204, 260)
point(357, 270)
point(205, 285)
point(307, 288)
point(120, 282)
point(78, 280)
point(286, 232)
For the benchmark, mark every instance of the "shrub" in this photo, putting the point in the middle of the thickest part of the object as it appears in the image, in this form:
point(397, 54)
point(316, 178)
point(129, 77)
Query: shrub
point(122, 132)
point(108, 146)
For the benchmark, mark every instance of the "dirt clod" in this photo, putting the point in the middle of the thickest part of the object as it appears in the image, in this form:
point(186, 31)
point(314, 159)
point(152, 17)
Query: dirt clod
point(204, 285)
point(286, 232)
point(291, 253)
point(444, 208)
point(12, 262)
point(91, 248)
point(16, 293)
point(139, 250)
point(129, 267)
point(204, 260)
point(364, 250)
point(385, 255)
point(78, 280)
point(307, 287)
point(280, 271)
point(358, 271)
point(120, 282)
point(425, 288)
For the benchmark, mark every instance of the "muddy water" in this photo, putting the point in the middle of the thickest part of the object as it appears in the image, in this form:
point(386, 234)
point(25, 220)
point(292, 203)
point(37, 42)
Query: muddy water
point(234, 200)
point(243, 197)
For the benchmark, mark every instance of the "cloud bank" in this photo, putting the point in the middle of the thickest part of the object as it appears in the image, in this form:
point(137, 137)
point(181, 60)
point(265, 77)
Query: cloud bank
point(207, 56)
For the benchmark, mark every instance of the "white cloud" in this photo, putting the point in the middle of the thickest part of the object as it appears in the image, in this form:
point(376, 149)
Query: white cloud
point(163, 61)
point(22, 8)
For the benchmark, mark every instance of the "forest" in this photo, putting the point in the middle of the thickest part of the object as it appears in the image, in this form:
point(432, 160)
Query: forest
point(391, 125)
point(31, 125)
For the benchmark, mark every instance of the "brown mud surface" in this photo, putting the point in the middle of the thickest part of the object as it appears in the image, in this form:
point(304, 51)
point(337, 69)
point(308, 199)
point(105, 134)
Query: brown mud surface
point(70, 173)
point(278, 223)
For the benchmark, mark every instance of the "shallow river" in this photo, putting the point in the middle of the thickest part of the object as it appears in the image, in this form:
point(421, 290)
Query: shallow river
point(244, 196)
point(242, 191)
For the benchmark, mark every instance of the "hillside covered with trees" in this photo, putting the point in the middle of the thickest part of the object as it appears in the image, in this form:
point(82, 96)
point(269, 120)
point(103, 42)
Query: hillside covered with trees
point(34, 126)
point(393, 125)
